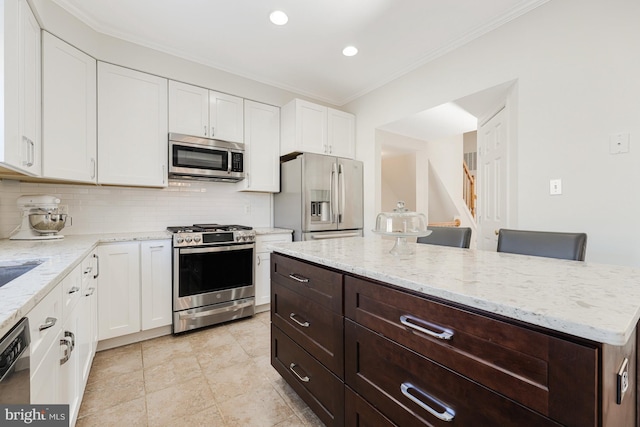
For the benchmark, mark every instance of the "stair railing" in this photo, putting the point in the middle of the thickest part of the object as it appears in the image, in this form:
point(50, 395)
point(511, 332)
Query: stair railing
point(469, 189)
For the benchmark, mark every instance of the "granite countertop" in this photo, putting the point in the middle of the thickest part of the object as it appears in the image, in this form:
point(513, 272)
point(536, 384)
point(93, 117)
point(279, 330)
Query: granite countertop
point(59, 258)
point(597, 302)
point(271, 230)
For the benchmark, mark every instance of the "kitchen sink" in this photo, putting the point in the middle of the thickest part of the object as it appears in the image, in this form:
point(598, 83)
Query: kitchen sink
point(10, 272)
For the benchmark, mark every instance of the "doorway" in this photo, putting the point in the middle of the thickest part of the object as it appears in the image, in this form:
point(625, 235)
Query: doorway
point(416, 134)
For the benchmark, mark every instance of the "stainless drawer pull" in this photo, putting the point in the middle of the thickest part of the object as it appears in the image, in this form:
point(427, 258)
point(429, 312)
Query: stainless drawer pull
point(88, 270)
point(446, 334)
point(299, 278)
point(73, 290)
point(304, 324)
point(71, 335)
point(447, 413)
point(90, 292)
point(95, 276)
point(67, 351)
point(304, 379)
point(48, 322)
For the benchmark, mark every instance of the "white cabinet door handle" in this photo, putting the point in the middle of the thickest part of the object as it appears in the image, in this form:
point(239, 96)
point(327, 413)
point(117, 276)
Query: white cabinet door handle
point(48, 322)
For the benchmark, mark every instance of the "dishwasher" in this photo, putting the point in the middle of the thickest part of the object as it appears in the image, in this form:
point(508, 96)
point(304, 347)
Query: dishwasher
point(14, 365)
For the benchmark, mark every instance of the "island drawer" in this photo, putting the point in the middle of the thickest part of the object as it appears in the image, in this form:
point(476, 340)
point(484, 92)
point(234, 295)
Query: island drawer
point(315, 384)
point(317, 329)
point(319, 284)
point(359, 413)
point(554, 377)
point(413, 390)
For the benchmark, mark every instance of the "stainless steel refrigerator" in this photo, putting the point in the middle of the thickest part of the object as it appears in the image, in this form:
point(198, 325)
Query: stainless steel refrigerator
point(320, 197)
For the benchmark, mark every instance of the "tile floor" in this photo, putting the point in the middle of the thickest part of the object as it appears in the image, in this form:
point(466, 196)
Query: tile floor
point(219, 376)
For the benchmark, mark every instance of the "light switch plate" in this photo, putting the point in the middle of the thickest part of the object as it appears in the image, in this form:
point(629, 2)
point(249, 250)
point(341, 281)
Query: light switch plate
point(555, 187)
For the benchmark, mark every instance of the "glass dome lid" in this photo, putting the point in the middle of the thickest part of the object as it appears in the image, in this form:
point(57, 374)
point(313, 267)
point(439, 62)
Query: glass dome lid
point(402, 222)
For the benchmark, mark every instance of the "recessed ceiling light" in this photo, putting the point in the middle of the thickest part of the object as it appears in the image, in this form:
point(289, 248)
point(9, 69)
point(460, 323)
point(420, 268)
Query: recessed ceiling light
point(349, 51)
point(278, 17)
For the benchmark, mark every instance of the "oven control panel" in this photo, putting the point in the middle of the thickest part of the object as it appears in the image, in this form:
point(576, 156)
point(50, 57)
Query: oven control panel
point(213, 238)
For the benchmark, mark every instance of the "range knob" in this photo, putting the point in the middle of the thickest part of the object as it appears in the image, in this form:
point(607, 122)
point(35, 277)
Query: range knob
point(179, 240)
point(196, 239)
point(188, 239)
point(238, 238)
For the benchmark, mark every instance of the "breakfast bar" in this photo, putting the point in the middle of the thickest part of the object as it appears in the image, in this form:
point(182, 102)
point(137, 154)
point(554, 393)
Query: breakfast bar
point(454, 336)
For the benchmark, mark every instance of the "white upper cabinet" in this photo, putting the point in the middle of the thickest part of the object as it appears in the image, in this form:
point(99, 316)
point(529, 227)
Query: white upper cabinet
point(304, 127)
point(20, 146)
point(132, 127)
point(188, 109)
point(69, 112)
point(341, 133)
point(262, 147)
point(226, 117)
point(201, 112)
point(313, 128)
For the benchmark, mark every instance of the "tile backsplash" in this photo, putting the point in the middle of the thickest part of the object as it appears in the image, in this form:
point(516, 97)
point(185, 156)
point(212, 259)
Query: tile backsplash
point(106, 209)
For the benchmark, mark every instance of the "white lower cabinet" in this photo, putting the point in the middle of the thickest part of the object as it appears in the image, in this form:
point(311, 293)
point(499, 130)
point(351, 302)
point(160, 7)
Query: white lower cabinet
point(155, 283)
point(71, 388)
point(119, 290)
point(262, 265)
point(134, 287)
point(45, 326)
point(63, 341)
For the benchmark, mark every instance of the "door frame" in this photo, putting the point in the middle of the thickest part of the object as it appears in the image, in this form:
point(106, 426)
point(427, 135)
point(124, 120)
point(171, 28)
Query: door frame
point(509, 105)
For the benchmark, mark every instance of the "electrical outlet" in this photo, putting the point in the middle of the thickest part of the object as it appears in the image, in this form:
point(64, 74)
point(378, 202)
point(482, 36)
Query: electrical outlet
point(247, 209)
point(619, 143)
point(622, 380)
point(555, 187)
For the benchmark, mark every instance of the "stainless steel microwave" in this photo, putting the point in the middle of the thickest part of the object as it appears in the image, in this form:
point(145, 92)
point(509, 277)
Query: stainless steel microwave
point(192, 157)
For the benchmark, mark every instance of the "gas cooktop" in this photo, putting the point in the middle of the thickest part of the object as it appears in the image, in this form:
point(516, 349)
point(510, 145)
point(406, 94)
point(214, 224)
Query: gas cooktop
point(199, 228)
point(211, 234)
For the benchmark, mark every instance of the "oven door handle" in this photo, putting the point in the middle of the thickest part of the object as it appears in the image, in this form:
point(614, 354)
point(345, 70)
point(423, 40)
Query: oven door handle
point(234, 307)
point(207, 249)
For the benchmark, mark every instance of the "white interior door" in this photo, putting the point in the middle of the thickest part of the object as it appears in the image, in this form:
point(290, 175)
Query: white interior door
point(492, 180)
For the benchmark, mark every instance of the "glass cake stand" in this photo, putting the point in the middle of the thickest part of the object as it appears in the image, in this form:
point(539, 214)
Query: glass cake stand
point(401, 224)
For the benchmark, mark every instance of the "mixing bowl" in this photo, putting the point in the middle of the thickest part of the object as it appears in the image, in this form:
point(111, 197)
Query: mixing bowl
point(46, 223)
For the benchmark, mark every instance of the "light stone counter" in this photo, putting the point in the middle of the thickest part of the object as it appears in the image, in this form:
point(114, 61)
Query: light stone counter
point(593, 301)
point(270, 230)
point(59, 258)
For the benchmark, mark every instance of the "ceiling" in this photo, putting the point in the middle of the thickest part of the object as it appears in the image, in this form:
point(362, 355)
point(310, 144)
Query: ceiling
point(305, 56)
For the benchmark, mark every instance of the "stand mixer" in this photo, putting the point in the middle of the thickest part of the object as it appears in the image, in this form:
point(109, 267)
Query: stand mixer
point(41, 218)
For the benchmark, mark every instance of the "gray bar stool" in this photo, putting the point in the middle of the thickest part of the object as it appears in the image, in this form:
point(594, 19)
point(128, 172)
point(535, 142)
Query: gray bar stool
point(457, 237)
point(548, 244)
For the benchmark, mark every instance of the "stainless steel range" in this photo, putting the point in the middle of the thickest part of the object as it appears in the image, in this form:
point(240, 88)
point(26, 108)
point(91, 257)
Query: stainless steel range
point(213, 277)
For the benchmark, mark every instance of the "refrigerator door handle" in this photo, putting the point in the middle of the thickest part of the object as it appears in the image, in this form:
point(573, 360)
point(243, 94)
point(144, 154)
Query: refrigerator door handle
point(333, 195)
point(342, 201)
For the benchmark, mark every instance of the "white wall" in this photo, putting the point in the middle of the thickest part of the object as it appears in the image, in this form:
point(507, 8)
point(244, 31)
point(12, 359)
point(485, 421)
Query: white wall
point(399, 181)
point(577, 65)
